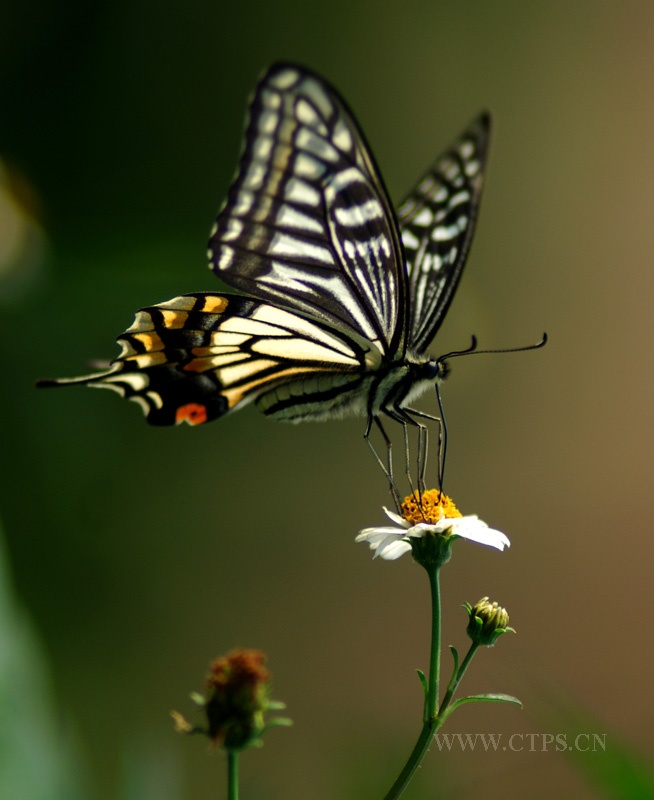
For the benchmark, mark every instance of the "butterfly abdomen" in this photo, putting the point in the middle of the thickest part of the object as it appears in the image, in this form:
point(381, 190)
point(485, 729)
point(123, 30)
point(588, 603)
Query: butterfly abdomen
point(331, 396)
point(317, 397)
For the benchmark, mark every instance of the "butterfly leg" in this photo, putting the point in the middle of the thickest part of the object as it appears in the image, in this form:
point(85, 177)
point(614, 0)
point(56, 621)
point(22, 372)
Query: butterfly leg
point(423, 438)
point(423, 448)
point(387, 468)
point(422, 433)
point(405, 419)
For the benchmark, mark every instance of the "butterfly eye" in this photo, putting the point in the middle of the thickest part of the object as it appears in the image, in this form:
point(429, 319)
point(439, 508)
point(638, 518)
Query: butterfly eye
point(434, 370)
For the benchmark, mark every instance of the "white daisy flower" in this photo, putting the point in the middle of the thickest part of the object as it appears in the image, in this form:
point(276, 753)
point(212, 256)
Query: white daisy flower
point(440, 518)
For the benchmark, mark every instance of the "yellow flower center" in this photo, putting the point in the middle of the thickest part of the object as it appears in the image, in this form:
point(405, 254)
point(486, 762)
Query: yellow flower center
point(429, 507)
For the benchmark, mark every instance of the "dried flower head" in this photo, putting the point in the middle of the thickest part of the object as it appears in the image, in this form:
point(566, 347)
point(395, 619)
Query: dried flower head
point(237, 699)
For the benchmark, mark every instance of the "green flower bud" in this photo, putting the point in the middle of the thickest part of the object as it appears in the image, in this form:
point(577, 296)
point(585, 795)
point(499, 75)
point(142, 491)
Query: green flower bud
point(487, 622)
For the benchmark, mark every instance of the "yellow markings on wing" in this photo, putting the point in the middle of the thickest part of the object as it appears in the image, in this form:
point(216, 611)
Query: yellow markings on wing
point(210, 304)
point(145, 360)
point(150, 340)
point(174, 319)
point(214, 304)
point(205, 362)
point(207, 358)
point(264, 353)
point(303, 350)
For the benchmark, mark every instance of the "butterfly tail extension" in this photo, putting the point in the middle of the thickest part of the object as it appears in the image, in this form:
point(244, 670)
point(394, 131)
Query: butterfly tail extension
point(83, 380)
point(168, 361)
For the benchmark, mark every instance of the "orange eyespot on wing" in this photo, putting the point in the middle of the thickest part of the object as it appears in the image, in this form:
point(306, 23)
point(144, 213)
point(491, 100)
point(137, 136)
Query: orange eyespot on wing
point(192, 413)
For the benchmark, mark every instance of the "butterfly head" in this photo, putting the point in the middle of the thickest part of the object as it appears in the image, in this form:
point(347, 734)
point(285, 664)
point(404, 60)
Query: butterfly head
point(411, 380)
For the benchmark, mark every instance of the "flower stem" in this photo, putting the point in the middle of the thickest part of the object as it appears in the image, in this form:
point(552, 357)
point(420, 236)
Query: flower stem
point(232, 774)
point(435, 656)
point(413, 762)
point(431, 720)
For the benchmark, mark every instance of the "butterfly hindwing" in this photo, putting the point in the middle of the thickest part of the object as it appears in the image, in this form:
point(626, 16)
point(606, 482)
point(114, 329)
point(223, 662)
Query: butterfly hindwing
point(200, 356)
point(437, 221)
point(307, 222)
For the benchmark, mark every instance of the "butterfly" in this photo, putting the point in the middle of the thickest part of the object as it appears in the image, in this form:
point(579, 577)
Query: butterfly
point(339, 296)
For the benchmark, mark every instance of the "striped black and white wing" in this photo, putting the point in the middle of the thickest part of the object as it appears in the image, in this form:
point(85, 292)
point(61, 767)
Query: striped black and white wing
point(307, 223)
point(437, 222)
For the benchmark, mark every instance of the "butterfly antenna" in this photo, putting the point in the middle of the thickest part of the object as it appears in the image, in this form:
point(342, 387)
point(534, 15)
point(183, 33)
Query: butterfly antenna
point(472, 350)
point(442, 360)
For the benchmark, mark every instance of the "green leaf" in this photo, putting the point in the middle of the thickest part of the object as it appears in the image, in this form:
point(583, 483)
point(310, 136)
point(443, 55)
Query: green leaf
point(455, 656)
point(423, 681)
point(455, 671)
point(482, 698)
point(278, 722)
point(491, 697)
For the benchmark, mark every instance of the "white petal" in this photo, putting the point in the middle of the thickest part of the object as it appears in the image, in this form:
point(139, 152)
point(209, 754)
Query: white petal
point(397, 519)
point(376, 534)
point(475, 530)
point(419, 530)
point(393, 549)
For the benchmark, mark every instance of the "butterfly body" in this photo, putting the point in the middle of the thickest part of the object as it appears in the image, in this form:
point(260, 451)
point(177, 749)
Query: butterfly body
point(340, 296)
point(390, 388)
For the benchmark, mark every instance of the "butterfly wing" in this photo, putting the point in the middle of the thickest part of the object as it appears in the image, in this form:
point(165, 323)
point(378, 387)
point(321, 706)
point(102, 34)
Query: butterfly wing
point(307, 222)
point(200, 356)
point(437, 222)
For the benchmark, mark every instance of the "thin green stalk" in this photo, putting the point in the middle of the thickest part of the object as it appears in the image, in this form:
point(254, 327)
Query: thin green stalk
point(413, 762)
point(431, 722)
point(232, 774)
point(456, 679)
point(435, 657)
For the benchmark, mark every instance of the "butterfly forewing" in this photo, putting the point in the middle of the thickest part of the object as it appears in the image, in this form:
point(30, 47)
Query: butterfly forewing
point(437, 221)
point(307, 222)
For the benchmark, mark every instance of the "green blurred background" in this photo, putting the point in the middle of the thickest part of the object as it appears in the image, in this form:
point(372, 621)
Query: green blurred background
point(141, 553)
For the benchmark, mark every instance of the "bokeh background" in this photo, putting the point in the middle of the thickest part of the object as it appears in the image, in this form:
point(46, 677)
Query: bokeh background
point(136, 555)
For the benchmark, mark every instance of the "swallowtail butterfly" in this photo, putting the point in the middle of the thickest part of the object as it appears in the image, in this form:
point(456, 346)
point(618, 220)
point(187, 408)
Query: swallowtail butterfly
point(339, 295)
